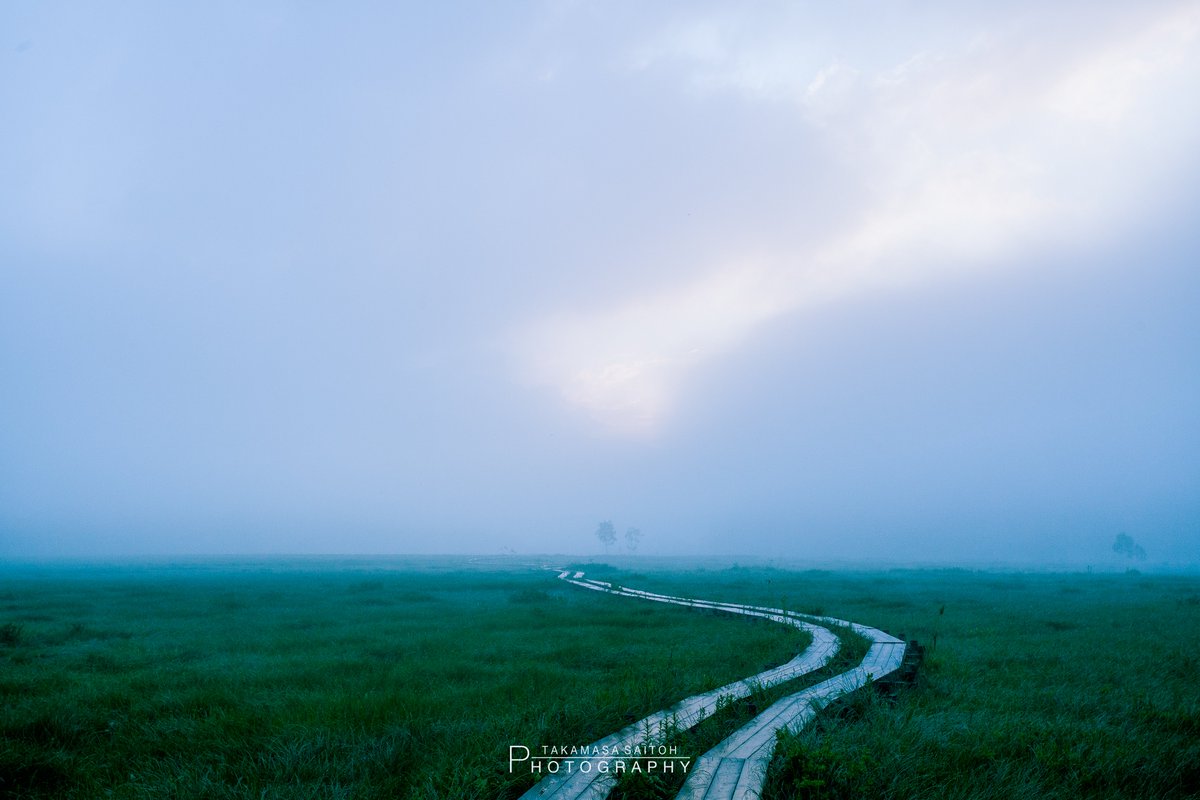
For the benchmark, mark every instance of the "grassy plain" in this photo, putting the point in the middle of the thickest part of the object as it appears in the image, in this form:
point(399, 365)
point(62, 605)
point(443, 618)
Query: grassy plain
point(409, 679)
point(1035, 685)
point(322, 679)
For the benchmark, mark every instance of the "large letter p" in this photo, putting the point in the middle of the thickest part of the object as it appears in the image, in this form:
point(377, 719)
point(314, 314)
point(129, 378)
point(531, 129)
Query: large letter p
point(512, 751)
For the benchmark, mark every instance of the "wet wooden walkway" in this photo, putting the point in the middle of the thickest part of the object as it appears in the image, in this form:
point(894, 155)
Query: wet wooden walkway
point(736, 768)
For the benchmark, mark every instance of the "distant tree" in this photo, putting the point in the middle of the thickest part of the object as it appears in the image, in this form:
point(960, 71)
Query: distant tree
point(632, 537)
point(1125, 546)
point(607, 534)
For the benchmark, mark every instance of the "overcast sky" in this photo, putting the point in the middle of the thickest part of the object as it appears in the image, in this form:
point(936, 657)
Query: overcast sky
point(854, 280)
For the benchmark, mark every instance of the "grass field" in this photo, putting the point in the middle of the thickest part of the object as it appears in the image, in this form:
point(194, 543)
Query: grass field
point(409, 679)
point(1035, 686)
point(319, 680)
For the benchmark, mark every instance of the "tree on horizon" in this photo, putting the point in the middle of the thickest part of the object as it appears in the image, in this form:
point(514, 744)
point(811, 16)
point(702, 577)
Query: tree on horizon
point(633, 536)
point(607, 534)
point(1125, 546)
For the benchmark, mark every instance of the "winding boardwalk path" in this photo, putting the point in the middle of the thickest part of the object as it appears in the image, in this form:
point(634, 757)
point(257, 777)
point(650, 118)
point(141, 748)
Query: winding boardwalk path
point(736, 768)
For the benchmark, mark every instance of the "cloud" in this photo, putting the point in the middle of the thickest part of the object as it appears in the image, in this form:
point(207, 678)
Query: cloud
point(962, 156)
point(622, 364)
point(1105, 85)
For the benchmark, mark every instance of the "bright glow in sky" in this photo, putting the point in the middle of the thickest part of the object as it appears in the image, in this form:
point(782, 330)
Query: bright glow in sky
point(965, 157)
point(840, 281)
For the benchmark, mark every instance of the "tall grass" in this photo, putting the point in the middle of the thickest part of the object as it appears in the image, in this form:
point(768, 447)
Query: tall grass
point(223, 683)
point(1038, 686)
point(347, 681)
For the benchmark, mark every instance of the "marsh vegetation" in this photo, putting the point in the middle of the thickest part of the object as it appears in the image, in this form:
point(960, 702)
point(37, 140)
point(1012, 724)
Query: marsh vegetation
point(409, 679)
point(328, 681)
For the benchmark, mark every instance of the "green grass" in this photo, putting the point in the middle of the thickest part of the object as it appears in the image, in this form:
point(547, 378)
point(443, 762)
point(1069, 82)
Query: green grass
point(728, 718)
point(1038, 686)
point(325, 680)
point(329, 683)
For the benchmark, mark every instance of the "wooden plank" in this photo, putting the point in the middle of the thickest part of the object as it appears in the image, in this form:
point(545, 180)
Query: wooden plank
point(599, 779)
point(753, 745)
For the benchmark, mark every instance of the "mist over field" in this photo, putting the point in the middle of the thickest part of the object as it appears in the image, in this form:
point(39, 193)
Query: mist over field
point(911, 284)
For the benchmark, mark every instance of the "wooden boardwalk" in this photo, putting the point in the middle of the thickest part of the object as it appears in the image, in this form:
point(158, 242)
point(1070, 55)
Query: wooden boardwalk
point(736, 768)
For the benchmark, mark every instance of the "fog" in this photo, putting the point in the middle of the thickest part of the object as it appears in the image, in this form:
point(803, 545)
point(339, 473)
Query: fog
point(782, 280)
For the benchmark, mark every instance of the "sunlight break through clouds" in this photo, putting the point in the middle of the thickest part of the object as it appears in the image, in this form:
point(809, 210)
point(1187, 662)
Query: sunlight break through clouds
point(966, 158)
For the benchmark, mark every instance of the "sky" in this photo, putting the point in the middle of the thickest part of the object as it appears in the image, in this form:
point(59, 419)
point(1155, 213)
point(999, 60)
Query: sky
point(863, 282)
